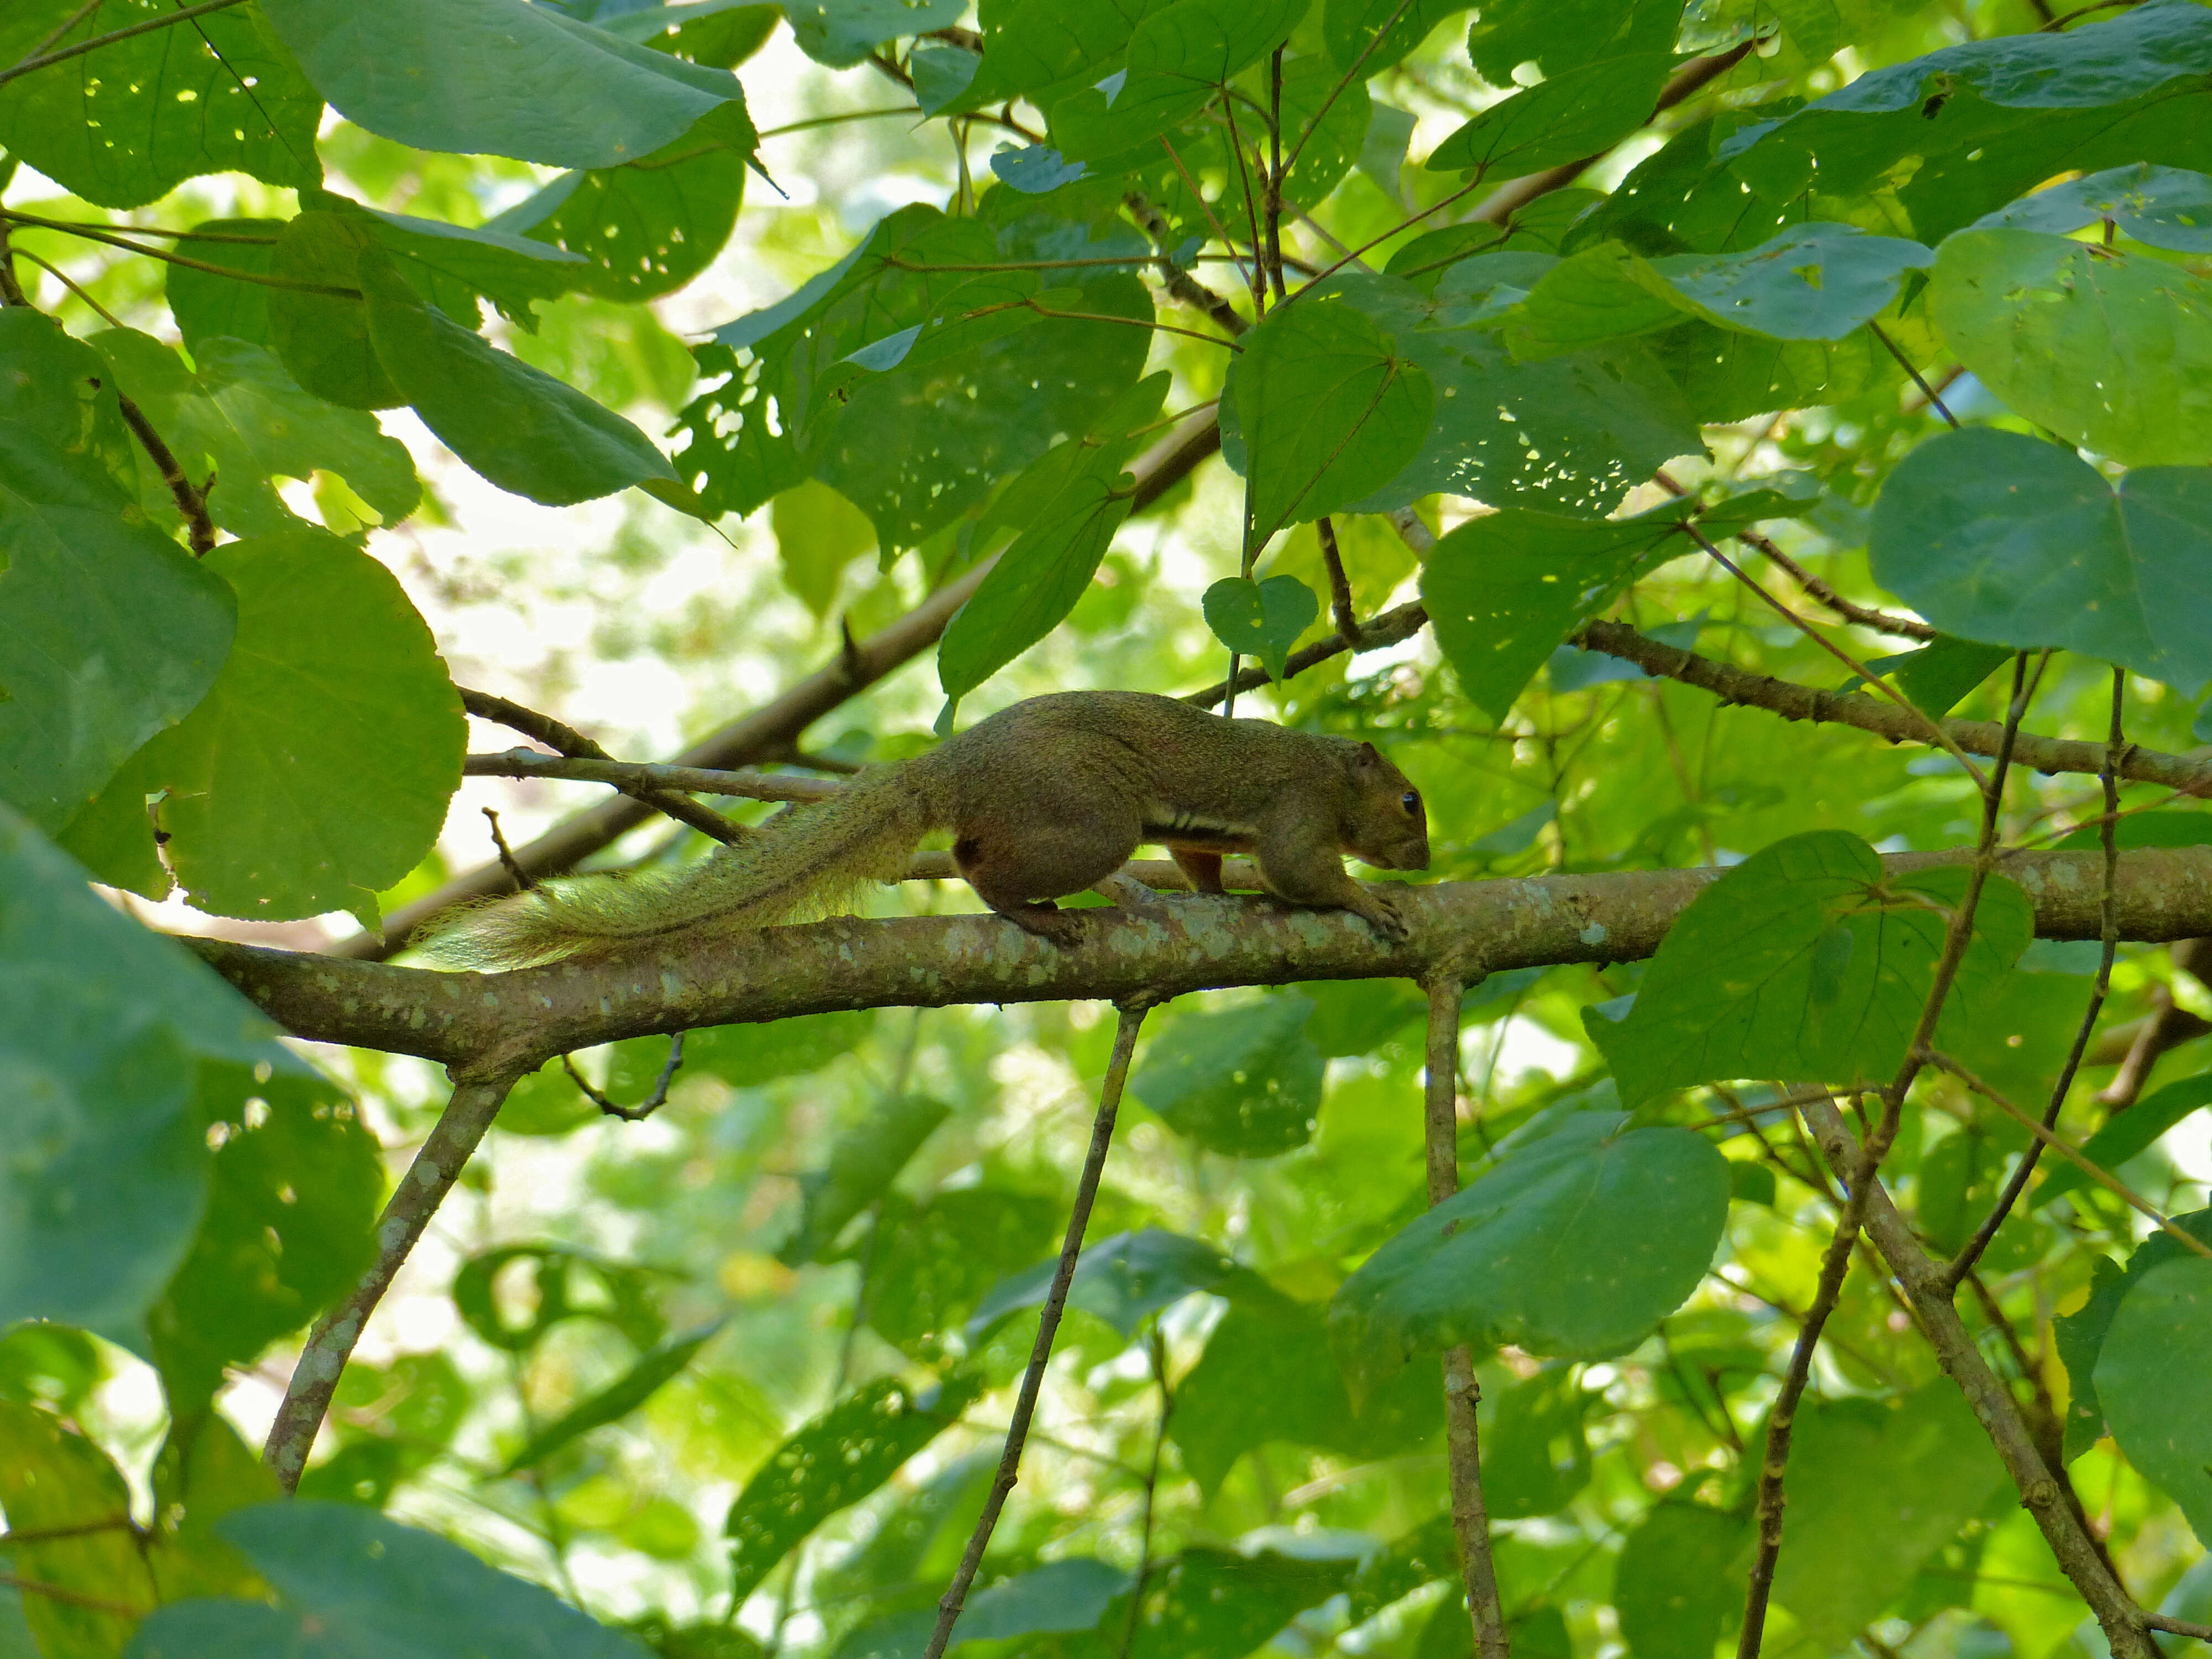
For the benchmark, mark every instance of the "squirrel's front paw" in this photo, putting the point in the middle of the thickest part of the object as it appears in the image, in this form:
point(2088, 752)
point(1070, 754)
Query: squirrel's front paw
point(1048, 921)
point(1382, 914)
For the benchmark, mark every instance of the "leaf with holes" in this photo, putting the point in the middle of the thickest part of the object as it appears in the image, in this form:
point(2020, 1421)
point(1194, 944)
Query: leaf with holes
point(2112, 350)
point(1815, 282)
point(125, 124)
point(648, 227)
point(834, 1462)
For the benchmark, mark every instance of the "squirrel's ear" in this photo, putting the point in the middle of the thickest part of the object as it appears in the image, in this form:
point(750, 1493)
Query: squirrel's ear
point(1369, 756)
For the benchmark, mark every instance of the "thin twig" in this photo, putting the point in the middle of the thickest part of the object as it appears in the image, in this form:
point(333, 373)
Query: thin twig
point(516, 873)
point(1131, 1017)
point(93, 233)
point(1339, 585)
point(73, 286)
point(638, 778)
point(29, 64)
point(1781, 1421)
point(660, 795)
point(67, 1597)
point(645, 1108)
point(2109, 928)
point(190, 499)
point(2096, 1172)
point(416, 1199)
point(1873, 680)
point(1157, 1350)
point(1463, 1393)
point(1926, 391)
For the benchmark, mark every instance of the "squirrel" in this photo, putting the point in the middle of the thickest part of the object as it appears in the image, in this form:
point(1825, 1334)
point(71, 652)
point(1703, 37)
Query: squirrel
point(1046, 798)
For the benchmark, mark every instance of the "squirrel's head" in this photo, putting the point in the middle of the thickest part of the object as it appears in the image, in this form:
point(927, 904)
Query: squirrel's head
point(1384, 822)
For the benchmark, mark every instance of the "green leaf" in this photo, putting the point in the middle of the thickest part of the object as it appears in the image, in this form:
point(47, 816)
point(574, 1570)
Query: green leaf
point(1938, 676)
point(614, 1402)
point(207, 305)
point(834, 1462)
point(1815, 282)
point(297, 1184)
point(1261, 619)
point(521, 429)
point(102, 1041)
point(1876, 1486)
point(562, 1285)
point(1124, 1280)
point(241, 419)
point(1356, 1016)
point(350, 1582)
point(1504, 589)
point(2154, 1379)
point(2125, 1135)
point(2080, 1336)
point(1069, 1595)
point(1989, 120)
point(127, 123)
point(53, 1478)
point(935, 1261)
point(1575, 432)
point(650, 226)
point(2002, 538)
point(840, 33)
point(109, 632)
point(322, 336)
point(1581, 112)
point(203, 1473)
point(498, 77)
point(1349, 28)
point(1179, 57)
point(1327, 410)
point(1535, 1443)
point(818, 533)
point(1269, 1348)
point(1678, 1579)
point(1807, 960)
point(2159, 207)
point(1594, 297)
point(450, 266)
point(2055, 328)
point(317, 771)
point(1245, 1082)
point(1045, 49)
point(865, 1161)
point(746, 1056)
point(1573, 1245)
point(1217, 1604)
point(1068, 504)
point(1561, 35)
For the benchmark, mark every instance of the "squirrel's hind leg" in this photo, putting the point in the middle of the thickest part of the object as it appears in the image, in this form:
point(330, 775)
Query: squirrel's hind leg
point(1018, 875)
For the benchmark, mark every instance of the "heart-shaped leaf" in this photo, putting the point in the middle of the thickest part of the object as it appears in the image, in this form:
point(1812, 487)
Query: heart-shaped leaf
point(1998, 536)
point(1261, 619)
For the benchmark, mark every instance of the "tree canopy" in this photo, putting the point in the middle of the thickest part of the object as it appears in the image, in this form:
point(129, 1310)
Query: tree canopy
point(1751, 465)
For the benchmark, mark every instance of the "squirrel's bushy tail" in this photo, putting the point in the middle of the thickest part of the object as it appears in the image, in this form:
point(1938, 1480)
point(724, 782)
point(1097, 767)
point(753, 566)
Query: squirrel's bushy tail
point(804, 862)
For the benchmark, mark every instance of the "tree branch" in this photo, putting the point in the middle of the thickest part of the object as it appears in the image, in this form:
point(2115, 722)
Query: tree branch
point(661, 797)
point(1926, 1287)
point(476, 1102)
point(1794, 701)
point(517, 1021)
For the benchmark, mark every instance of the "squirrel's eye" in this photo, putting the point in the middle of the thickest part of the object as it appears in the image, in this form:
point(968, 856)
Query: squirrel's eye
point(1413, 800)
